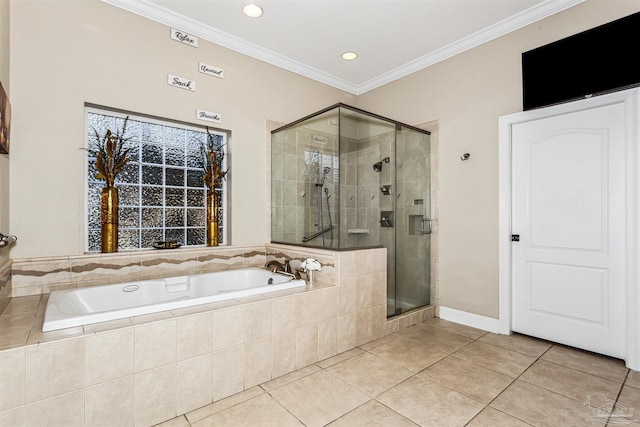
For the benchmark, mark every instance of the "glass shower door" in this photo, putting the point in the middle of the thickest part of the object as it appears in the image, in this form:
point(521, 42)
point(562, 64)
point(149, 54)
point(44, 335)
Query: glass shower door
point(413, 222)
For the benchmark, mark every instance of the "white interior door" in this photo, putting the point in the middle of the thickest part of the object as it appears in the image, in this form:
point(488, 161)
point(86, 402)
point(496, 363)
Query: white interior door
point(568, 201)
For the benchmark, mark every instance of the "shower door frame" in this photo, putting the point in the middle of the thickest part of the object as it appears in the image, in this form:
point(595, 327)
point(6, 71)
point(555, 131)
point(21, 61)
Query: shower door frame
point(402, 225)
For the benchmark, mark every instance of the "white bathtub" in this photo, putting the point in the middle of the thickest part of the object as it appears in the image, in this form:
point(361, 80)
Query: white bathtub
point(83, 306)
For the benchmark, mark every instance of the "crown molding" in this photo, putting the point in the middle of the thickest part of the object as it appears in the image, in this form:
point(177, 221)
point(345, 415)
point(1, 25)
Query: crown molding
point(171, 19)
point(513, 23)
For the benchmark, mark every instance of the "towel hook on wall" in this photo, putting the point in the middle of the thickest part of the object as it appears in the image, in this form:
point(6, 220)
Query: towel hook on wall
point(465, 156)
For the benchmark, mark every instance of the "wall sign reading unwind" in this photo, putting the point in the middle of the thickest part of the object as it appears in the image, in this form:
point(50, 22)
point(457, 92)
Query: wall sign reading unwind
point(208, 116)
point(183, 37)
point(211, 70)
point(181, 82)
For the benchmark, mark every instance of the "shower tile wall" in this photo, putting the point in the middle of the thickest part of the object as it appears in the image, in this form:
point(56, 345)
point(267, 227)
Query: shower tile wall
point(369, 199)
point(348, 192)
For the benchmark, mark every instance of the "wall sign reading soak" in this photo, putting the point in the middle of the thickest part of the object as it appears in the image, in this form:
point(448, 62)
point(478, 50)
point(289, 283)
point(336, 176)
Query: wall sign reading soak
point(183, 37)
point(211, 70)
point(208, 116)
point(181, 82)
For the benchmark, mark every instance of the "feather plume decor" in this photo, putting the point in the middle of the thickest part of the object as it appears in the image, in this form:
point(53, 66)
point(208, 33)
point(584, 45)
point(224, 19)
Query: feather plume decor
point(212, 161)
point(111, 152)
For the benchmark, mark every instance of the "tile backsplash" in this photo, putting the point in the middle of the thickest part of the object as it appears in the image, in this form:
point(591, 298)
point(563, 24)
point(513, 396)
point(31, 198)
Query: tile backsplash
point(44, 275)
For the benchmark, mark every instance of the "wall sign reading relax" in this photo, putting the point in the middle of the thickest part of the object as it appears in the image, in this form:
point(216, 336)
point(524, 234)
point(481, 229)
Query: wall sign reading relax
point(181, 82)
point(183, 37)
point(211, 70)
point(208, 116)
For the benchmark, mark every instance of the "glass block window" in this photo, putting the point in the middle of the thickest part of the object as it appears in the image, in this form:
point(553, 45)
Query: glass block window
point(161, 191)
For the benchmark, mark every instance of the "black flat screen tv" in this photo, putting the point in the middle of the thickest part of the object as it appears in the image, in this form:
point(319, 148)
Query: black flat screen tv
point(600, 60)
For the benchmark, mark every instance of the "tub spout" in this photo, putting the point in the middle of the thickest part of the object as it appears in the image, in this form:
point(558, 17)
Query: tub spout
point(277, 267)
point(274, 266)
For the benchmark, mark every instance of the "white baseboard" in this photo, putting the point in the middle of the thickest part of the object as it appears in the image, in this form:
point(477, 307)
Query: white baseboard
point(469, 319)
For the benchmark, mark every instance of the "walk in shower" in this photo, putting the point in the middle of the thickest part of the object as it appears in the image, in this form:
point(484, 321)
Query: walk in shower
point(343, 178)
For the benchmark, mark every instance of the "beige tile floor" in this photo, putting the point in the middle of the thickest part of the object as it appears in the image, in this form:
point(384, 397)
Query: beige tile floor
point(439, 373)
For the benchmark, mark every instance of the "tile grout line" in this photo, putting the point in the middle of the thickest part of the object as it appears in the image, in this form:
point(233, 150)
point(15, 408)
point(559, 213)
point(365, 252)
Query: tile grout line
point(619, 393)
point(284, 407)
point(511, 383)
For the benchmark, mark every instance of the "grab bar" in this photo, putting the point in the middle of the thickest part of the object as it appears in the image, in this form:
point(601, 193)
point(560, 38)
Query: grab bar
point(306, 239)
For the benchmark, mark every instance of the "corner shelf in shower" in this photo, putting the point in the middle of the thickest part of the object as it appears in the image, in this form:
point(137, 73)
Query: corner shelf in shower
point(357, 231)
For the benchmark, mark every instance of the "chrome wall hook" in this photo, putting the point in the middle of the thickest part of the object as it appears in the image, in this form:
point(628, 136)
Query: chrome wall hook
point(465, 156)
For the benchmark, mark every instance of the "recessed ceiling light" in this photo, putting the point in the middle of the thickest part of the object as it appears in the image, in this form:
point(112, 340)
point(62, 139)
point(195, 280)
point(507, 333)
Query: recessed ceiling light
point(349, 56)
point(252, 10)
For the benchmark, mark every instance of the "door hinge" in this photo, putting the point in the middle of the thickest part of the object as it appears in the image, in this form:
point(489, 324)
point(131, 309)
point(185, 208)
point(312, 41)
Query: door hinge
point(515, 237)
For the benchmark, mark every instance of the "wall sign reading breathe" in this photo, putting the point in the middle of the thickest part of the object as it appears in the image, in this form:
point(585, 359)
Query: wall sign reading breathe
point(208, 116)
point(181, 82)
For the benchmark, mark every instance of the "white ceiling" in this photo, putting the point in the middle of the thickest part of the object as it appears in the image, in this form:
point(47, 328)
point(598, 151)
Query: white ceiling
point(393, 38)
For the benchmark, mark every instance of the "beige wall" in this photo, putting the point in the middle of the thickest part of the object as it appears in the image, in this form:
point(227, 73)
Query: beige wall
point(66, 53)
point(4, 159)
point(467, 94)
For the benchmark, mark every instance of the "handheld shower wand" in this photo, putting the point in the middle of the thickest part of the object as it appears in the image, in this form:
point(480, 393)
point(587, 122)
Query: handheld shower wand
point(325, 172)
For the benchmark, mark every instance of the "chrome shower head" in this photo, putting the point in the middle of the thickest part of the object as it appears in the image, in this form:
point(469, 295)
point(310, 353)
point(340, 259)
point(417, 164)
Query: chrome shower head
point(378, 166)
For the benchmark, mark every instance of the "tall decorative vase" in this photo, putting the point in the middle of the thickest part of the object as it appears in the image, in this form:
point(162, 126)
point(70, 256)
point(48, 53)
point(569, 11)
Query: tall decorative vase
point(109, 219)
point(212, 218)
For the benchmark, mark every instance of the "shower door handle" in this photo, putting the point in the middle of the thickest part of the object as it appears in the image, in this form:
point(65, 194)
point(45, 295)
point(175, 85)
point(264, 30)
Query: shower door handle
point(422, 227)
